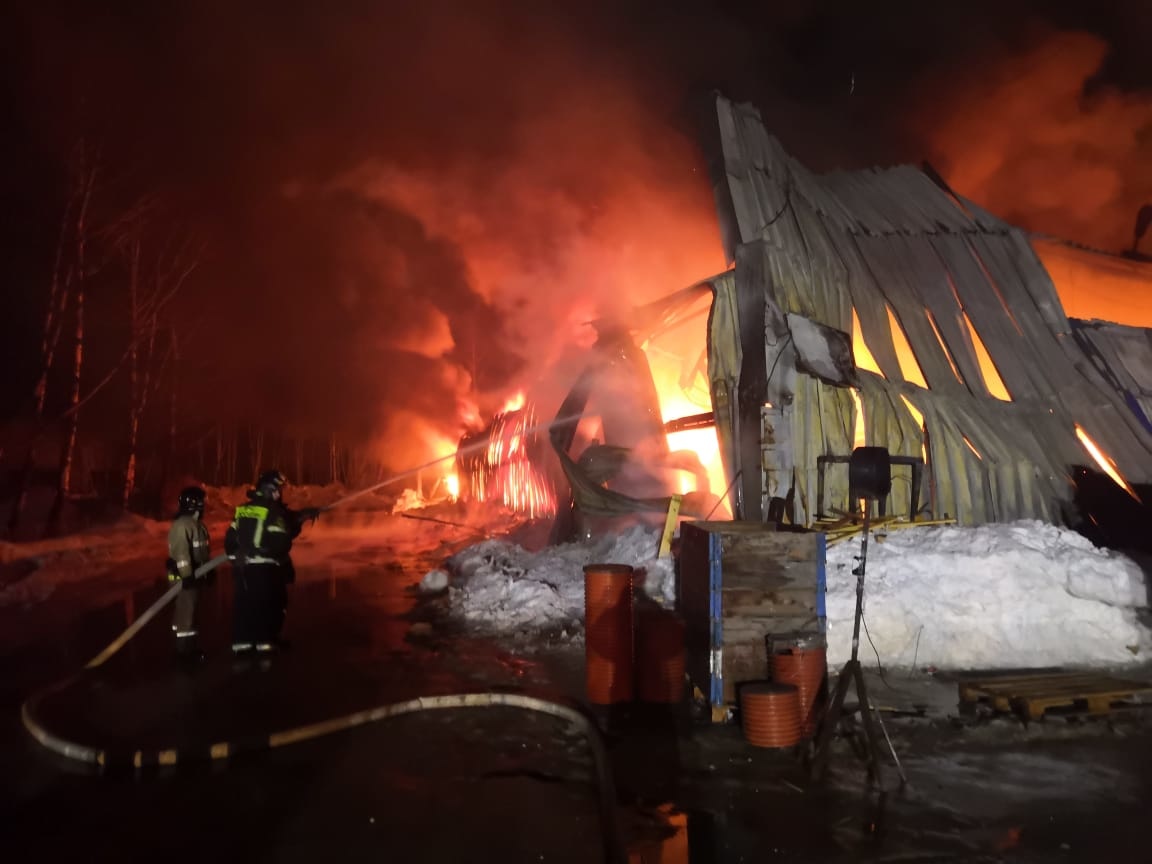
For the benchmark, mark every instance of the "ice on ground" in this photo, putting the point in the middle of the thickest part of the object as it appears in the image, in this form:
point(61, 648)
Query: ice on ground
point(503, 586)
point(995, 596)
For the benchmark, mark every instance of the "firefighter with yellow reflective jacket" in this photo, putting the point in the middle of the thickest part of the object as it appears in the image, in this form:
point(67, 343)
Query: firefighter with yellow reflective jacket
point(259, 541)
point(187, 550)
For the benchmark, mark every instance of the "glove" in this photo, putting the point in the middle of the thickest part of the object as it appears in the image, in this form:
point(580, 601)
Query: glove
point(310, 514)
point(173, 572)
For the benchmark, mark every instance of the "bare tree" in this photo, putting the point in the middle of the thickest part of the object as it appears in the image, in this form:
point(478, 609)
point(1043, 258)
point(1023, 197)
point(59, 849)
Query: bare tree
point(173, 385)
point(67, 271)
point(155, 275)
point(87, 171)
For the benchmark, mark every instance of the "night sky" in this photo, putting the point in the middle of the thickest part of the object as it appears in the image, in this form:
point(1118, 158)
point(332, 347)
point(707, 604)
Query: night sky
point(393, 198)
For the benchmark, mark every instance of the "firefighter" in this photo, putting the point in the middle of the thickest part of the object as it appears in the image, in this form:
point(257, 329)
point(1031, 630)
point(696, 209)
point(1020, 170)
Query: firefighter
point(259, 541)
point(187, 550)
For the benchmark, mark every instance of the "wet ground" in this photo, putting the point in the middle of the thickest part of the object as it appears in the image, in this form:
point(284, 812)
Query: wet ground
point(501, 784)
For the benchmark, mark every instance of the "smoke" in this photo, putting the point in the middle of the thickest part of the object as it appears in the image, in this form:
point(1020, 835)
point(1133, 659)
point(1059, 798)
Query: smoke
point(597, 204)
point(1032, 137)
point(413, 209)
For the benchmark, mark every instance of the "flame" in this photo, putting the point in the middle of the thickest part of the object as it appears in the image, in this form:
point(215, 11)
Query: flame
point(683, 395)
point(1102, 459)
point(505, 471)
point(435, 483)
point(859, 436)
point(514, 403)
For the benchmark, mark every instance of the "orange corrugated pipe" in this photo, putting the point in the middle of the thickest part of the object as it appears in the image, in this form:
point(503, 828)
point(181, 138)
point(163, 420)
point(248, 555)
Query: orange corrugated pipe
point(608, 633)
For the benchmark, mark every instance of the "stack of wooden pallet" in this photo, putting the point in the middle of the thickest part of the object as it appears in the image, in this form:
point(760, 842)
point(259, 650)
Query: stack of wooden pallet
point(1033, 694)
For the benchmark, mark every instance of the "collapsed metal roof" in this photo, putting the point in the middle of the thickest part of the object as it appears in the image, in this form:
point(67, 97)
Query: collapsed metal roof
point(919, 266)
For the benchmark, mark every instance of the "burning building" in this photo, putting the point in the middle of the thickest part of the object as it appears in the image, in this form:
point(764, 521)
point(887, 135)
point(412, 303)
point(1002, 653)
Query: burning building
point(876, 307)
point(965, 358)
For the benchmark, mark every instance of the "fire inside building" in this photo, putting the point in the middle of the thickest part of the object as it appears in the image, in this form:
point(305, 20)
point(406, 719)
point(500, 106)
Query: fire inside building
point(870, 308)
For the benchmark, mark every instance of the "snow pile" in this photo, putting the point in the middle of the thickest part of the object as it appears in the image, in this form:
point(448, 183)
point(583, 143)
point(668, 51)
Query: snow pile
point(505, 587)
point(434, 581)
point(1014, 595)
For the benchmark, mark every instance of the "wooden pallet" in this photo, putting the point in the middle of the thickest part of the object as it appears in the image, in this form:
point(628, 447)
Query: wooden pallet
point(1032, 695)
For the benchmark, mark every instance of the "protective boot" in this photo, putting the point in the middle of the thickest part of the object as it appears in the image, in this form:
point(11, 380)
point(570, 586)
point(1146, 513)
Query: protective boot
point(187, 650)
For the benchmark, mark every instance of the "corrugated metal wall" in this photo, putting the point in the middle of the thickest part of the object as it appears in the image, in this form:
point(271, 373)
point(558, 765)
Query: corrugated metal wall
point(892, 245)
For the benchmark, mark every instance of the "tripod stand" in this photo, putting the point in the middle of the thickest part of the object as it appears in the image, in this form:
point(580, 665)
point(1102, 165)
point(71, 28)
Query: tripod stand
point(852, 673)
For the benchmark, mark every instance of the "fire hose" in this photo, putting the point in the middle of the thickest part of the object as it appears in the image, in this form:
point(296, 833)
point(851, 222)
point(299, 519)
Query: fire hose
point(103, 759)
point(614, 851)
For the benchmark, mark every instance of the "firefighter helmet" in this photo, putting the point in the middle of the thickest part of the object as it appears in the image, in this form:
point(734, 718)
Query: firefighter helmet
point(191, 500)
point(271, 483)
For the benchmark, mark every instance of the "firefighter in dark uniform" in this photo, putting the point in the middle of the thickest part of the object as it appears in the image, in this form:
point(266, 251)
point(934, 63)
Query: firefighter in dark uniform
point(187, 550)
point(259, 541)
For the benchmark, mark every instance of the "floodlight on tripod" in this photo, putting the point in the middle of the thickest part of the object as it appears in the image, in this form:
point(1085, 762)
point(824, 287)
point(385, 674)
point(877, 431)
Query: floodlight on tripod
point(869, 479)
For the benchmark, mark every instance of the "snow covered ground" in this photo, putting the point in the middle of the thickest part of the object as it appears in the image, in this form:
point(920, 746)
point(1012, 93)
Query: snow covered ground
point(502, 586)
point(997, 596)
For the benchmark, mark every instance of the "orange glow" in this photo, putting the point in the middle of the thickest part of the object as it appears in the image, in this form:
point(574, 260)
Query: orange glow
point(860, 349)
point(514, 403)
point(859, 438)
point(682, 388)
point(1092, 285)
point(675, 402)
point(909, 365)
point(919, 422)
point(436, 481)
point(972, 447)
point(992, 379)
point(1033, 136)
point(1103, 461)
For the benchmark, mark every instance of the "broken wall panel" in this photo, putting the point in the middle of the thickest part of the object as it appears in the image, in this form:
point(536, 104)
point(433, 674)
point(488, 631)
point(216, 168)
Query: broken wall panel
point(865, 240)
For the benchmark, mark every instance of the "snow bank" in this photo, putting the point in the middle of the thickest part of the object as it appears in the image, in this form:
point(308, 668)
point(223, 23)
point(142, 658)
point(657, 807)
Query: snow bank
point(997, 596)
point(1014, 595)
point(502, 586)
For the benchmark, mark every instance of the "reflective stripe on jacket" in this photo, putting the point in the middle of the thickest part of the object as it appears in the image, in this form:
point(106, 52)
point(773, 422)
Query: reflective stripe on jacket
point(188, 544)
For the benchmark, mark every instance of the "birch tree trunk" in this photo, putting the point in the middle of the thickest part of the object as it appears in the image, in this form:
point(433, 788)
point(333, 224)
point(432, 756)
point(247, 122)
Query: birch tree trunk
point(174, 379)
point(64, 485)
point(133, 370)
point(59, 292)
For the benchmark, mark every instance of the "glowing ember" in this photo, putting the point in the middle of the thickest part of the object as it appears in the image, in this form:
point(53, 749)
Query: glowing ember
point(453, 484)
point(1102, 460)
point(499, 464)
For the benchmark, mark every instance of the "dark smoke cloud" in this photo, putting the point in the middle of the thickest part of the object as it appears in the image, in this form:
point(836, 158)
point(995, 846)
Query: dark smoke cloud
point(1034, 137)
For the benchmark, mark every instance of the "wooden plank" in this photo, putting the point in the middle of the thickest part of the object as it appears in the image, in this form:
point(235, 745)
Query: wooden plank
point(743, 662)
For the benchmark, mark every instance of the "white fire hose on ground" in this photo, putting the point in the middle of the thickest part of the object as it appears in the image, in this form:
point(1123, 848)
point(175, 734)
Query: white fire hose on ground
point(102, 759)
